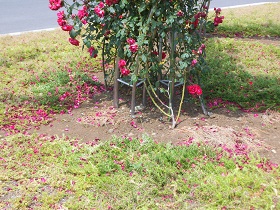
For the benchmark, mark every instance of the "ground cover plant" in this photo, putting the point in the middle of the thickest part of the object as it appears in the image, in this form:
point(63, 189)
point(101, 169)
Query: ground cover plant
point(40, 172)
point(41, 74)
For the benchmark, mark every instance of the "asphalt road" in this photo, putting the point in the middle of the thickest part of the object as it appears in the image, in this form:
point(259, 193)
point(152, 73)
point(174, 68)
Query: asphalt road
point(27, 15)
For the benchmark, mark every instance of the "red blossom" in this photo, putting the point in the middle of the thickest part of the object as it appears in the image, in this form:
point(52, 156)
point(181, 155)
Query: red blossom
point(66, 27)
point(180, 13)
point(122, 63)
point(194, 89)
point(74, 41)
point(61, 18)
point(55, 4)
point(163, 54)
point(99, 11)
point(61, 15)
point(101, 5)
point(83, 13)
point(107, 33)
point(130, 41)
point(217, 10)
point(218, 19)
point(92, 52)
point(111, 2)
point(133, 48)
point(194, 62)
point(125, 71)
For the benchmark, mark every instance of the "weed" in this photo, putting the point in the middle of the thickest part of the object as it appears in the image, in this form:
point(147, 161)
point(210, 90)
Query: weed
point(47, 172)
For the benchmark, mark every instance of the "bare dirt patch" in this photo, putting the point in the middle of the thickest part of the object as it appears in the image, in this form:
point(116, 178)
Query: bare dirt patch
point(98, 120)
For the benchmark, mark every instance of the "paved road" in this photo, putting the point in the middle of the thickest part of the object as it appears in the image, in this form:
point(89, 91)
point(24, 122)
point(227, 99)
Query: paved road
point(27, 15)
point(227, 3)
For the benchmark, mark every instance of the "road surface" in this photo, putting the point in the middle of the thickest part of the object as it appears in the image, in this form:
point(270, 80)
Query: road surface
point(27, 15)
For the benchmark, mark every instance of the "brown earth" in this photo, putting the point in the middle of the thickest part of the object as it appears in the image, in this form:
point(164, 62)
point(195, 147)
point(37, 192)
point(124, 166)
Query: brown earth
point(97, 120)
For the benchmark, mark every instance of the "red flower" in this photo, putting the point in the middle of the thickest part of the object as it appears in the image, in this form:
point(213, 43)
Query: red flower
point(74, 41)
point(60, 15)
point(217, 10)
point(125, 71)
point(194, 62)
point(203, 46)
point(55, 4)
point(133, 48)
point(163, 54)
point(67, 27)
point(122, 63)
point(194, 89)
point(198, 91)
point(218, 20)
point(111, 2)
point(82, 13)
point(130, 41)
point(61, 18)
point(92, 52)
point(101, 5)
point(99, 11)
point(155, 53)
point(61, 22)
point(180, 13)
point(107, 33)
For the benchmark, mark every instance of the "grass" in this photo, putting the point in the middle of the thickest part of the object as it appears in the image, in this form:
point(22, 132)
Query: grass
point(263, 20)
point(245, 73)
point(46, 173)
point(38, 58)
point(42, 73)
point(38, 68)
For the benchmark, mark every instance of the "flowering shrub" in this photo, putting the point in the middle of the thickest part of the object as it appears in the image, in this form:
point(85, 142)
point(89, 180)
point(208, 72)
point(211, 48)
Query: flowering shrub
point(149, 37)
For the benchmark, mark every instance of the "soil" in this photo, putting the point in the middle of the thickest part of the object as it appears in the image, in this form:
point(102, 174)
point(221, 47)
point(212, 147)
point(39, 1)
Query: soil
point(98, 120)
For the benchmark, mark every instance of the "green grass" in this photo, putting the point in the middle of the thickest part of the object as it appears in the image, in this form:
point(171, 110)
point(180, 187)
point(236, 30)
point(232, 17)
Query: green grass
point(37, 58)
point(37, 68)
point(47, 173)
point(246, 73)
point(262, 20)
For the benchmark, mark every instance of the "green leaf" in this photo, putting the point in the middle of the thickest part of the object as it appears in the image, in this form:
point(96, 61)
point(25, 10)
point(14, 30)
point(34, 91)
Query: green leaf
point(133, 78)
point(144, 58)
point(73, 34)
point(87, 42)
point(123, 3)
point(142, 7)
point(183, 65)
point(185, 55)
point(111, 10)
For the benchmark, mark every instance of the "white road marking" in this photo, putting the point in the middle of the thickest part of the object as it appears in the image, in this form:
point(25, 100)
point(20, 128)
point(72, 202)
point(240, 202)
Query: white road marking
point(23, 32)
point(246, 5)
